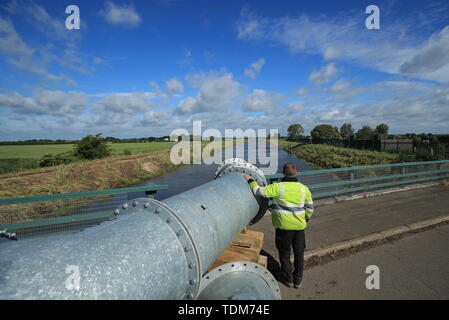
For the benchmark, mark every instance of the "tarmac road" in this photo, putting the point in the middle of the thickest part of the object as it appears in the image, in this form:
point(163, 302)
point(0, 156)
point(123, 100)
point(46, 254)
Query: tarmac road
point(413, 267)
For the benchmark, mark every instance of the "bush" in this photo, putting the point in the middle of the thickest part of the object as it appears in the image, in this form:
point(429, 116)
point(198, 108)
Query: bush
point(127, 152)
point(54, 159)
point(92, 147)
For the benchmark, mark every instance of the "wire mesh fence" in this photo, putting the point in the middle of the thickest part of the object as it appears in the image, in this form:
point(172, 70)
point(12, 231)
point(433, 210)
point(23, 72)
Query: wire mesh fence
point(41, 215)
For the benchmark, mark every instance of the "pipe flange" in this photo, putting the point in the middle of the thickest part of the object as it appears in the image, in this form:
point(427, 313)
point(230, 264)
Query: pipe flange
point(245, 266)
point(185, 239)
point(238, 166)
point(227, 163)
point(245, 169)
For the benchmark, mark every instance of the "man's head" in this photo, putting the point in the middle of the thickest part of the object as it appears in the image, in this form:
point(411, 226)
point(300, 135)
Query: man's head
point(289, 170)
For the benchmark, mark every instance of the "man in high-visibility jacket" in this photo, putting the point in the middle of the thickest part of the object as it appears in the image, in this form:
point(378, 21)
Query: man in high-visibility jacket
point(291, 210)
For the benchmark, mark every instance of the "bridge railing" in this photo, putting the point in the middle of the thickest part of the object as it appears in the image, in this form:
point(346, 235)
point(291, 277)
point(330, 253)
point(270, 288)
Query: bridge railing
point(334, 182)
point(39, 215)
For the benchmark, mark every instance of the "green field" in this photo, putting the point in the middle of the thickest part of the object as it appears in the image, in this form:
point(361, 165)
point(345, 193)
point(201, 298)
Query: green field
point(37, 151)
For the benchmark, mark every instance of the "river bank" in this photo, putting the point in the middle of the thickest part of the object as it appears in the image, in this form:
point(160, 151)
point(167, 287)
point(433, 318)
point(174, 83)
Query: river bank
point(111, 172)
point(108, 173)
point(326, 157)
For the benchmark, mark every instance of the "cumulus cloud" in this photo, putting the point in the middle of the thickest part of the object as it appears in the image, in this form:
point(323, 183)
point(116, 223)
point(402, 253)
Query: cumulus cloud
point(46, 102)
point(216, 91)
point(342, 89)
point(125, 15)
point(341, 37)
point(432, 61)
point(254, 69)
point(325, 74)
point(174, 86)
point(125, 103)
point(261, 100)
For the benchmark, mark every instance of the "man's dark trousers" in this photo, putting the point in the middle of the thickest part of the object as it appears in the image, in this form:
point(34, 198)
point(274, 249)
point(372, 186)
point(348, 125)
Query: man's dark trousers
point(285, 240)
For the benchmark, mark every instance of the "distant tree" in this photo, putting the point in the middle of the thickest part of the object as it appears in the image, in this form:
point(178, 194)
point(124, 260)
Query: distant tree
point(346, 130)
point(382, 129)
point(325, 131)
point(365, 133)
point(92, 147)
point(294, 131)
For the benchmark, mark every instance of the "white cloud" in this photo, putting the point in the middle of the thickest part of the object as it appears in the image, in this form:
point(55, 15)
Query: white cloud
point(301, 91)
point(53, 27)
point(261, 100)
point(126, 103)
point(331, 53)
point(432, 61)
point(396, 49)
point(217, 91)
point(174, 86)
point(46, 102)
point(121, 15)
point(404, 106)
point(325, 74)
point(18, 53)
point(342, 89)
point(254, 69)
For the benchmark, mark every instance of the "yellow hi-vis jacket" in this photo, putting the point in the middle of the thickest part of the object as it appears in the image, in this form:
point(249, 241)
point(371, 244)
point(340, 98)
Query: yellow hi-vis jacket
point(292, 203)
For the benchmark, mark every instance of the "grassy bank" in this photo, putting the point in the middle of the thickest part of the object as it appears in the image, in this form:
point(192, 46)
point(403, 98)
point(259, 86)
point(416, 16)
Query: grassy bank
point(111, 172)
point(107, 173)
point(326, 157)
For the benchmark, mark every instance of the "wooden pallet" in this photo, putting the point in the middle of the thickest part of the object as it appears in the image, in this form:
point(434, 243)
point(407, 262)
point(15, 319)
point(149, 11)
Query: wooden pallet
point(245, 247)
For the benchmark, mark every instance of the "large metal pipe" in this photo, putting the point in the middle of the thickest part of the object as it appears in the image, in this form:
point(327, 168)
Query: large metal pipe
point(151, 250)
point(241, 280)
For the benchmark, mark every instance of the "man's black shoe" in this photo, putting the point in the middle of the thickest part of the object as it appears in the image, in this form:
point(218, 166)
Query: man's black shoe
point(285, 282)
point(297, 283)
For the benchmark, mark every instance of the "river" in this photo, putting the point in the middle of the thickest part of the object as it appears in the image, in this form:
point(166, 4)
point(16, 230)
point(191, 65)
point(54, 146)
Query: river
point(190, 176)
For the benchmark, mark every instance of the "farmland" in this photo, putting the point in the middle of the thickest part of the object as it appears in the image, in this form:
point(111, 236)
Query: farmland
point(37, 151)
point(16, 158)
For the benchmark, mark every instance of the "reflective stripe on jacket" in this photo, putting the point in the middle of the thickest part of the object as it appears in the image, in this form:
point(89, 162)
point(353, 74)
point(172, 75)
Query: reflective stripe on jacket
point(292, 203)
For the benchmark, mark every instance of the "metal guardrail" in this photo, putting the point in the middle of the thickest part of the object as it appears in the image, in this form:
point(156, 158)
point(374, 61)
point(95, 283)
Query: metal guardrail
point(37, 215)
point(68, 212)
point(334, 182)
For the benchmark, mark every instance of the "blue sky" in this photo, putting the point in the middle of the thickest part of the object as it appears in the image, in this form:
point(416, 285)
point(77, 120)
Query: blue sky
point(144, 68)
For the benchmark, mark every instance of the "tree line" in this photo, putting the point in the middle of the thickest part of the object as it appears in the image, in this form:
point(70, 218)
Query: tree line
point(69, 141)
point(346, 131)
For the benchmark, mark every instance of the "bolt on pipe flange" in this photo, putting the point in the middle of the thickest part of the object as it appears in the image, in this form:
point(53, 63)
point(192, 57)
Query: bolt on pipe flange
point(239, 280)
point(227, 163)
point(185, 239)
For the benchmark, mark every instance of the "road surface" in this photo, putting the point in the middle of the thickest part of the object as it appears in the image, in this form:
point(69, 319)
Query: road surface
point(413, 267)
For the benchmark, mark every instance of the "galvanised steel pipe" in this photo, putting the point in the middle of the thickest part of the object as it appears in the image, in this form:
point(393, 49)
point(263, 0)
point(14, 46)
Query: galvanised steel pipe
point(241, 280)
point(151, 250)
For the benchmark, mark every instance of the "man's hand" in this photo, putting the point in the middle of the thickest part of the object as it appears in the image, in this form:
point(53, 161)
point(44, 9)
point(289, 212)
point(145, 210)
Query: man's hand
point(247, 177)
